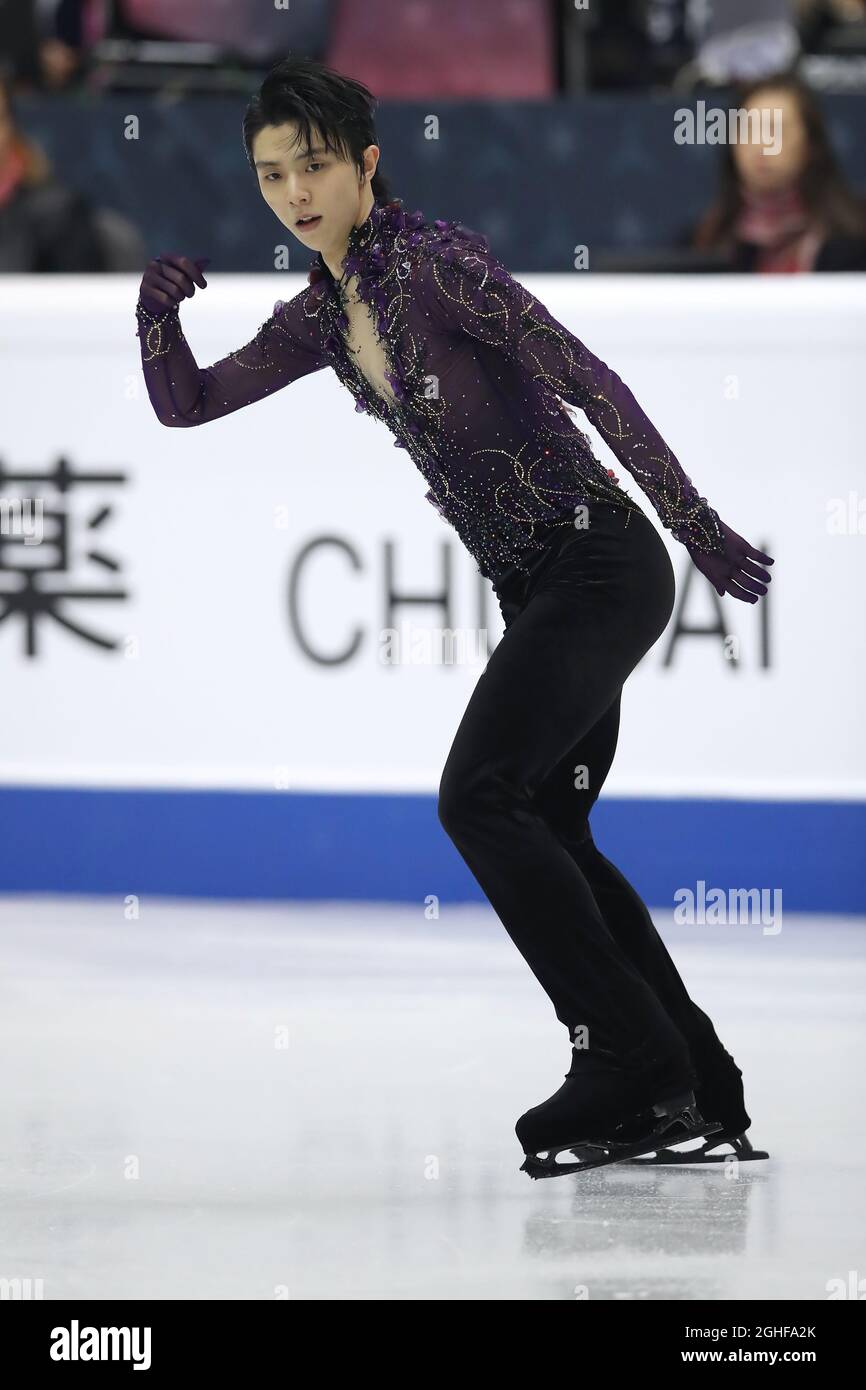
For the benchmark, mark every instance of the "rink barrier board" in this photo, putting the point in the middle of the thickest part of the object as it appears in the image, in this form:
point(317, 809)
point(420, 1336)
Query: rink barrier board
point(391, 847)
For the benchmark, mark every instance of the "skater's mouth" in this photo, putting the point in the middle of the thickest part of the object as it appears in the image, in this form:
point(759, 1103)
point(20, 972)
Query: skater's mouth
point(305, 223)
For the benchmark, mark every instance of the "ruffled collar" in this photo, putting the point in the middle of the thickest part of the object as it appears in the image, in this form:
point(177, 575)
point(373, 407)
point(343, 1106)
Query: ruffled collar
point(368, 246)
point(370, 258)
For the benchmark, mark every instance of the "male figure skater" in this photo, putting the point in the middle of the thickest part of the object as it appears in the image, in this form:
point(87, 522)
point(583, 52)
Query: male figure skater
point(469, 372)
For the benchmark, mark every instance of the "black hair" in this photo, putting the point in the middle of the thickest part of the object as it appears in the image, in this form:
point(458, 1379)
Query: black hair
point(309, 93)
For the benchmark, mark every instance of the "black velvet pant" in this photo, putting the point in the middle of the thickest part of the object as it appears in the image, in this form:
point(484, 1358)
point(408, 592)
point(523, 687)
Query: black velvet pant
point(527, 764)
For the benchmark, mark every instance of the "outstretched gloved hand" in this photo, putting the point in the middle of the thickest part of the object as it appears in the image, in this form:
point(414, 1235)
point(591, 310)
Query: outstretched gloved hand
point(734, 571)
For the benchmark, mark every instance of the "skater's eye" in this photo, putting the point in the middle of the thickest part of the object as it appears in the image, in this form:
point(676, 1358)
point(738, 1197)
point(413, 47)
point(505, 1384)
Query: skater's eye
point(317, 163)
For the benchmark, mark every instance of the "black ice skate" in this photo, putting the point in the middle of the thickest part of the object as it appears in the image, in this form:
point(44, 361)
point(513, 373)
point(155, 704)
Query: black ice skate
point(741, 1149)
point(601, 1115)
point(719, 1093)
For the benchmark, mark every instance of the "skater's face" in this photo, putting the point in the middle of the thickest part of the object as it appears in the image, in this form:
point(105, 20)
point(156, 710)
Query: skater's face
point(296, 182)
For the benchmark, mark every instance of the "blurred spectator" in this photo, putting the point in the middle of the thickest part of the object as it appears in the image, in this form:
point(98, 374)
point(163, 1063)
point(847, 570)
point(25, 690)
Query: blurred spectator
point(42, 42)
point(69, 28)
point(44, 226)
point(51, 42)
point(785, 212)
point(621, 44)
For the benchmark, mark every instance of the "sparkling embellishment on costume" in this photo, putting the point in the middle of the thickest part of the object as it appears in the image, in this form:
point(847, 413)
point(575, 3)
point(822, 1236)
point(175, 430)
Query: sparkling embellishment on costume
point(373, 259)
point(479, 373)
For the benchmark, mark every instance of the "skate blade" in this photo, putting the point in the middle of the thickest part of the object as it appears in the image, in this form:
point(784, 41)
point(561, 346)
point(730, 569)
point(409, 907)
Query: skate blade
point(743, 1151)
point(597, 1155)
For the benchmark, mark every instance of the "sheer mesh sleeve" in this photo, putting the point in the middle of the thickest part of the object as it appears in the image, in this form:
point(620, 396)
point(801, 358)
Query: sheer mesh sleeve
point(469, 291)
point(182, 393)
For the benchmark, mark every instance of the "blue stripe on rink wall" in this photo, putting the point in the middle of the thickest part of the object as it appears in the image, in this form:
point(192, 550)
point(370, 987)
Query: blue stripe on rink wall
point(233, 844)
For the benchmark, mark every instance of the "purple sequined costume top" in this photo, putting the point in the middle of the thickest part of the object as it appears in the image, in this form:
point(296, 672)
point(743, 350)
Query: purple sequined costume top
point(478, 369)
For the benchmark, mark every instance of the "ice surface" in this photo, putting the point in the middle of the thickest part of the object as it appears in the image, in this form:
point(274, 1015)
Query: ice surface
point(317, 1101)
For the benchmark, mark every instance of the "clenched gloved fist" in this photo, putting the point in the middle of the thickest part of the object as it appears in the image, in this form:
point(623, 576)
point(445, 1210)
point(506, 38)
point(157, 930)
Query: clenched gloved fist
point(168, 279)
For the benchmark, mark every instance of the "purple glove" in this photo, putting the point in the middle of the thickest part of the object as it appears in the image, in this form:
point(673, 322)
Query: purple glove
point(168, 279)
point(734, 571)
